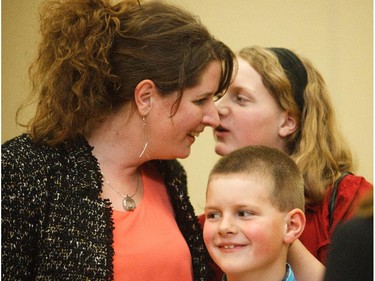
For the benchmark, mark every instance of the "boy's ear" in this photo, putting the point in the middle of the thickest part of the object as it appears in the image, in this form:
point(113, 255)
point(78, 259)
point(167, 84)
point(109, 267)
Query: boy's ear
point(143, 95)
point(295, 221)
point(288, 126)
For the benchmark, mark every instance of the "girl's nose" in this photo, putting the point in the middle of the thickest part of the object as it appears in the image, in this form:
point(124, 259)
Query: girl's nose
point(222, 106)
point(211, 116)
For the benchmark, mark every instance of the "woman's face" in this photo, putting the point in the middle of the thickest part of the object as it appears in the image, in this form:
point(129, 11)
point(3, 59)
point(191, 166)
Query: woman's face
point(174, 135)
point(249, 114)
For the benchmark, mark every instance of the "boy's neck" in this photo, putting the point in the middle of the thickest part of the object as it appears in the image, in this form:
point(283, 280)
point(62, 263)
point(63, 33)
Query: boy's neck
point(276, 273)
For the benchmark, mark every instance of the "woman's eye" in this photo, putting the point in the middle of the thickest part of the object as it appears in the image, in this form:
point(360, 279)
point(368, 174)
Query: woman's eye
point(201, 101)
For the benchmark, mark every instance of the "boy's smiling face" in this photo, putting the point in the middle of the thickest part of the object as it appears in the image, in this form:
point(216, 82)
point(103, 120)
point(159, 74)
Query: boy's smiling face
point(243, 231)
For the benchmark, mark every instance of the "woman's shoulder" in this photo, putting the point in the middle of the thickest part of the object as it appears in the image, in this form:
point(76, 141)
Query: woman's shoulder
point(23, 173)
point(21, 147)
point(20, 152)
point(16, 142)
point(29, 168)
point(22, 155)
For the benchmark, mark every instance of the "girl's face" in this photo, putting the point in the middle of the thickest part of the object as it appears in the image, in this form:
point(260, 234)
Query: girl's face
point(243, 231)
point(249, 114)
point(171, 137)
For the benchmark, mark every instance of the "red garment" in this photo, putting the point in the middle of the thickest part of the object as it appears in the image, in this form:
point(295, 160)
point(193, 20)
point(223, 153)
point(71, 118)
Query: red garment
point(317, 234)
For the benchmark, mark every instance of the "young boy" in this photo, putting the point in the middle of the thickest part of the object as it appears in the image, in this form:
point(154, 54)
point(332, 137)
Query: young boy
point(254, 211)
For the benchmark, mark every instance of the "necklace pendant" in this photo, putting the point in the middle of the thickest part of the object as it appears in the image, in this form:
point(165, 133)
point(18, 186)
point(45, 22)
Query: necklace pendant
point(128, 203)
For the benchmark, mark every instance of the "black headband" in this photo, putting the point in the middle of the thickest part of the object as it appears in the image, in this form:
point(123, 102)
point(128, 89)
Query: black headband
point(295, 71)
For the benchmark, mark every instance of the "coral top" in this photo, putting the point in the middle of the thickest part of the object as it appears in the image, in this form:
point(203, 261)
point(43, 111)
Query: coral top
point(148, 244)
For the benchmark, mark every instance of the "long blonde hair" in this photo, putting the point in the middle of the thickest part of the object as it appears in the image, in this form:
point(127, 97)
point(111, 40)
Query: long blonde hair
point(317, 146)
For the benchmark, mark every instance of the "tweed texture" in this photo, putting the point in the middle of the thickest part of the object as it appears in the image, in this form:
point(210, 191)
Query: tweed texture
point(55, 226)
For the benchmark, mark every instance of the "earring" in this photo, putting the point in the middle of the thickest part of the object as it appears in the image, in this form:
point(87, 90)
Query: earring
point(144, 136)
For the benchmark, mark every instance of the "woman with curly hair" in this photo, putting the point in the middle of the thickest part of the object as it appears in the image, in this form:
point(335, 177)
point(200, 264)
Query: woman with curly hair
point(92, 190)
point(280, 99)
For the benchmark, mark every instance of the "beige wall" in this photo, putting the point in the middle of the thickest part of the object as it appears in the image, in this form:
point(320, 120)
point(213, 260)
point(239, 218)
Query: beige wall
point(336, 35)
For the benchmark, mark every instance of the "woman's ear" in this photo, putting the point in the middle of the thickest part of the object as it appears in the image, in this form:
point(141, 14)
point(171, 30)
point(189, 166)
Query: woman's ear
point(143, 95)
point(295, 221)
point(288, 125)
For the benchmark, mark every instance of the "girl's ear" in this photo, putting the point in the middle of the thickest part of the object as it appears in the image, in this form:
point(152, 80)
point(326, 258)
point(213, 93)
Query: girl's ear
point(143, 95)
point(288, 126)
point(295, 221)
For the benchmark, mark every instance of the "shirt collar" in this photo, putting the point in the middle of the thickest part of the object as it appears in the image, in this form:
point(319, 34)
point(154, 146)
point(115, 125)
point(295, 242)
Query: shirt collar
point(289, 275)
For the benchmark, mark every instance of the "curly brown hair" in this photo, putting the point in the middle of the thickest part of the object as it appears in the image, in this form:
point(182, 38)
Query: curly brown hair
point(93, 54)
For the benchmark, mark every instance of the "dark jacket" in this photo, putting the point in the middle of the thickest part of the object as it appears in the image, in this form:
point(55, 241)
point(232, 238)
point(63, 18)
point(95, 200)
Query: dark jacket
point(55, 226)
point(351, 255)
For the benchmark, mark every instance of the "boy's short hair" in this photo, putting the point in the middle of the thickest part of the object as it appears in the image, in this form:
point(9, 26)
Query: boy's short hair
point(288, 189)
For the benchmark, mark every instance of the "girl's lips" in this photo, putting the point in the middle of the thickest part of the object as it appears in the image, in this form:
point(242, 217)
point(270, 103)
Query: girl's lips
point(221, 131)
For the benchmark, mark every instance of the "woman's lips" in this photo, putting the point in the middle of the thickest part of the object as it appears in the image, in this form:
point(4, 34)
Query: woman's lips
point(193, 135)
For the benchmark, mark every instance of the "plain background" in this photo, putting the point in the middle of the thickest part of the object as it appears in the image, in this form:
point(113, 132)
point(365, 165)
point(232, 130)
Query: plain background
point(337, 35)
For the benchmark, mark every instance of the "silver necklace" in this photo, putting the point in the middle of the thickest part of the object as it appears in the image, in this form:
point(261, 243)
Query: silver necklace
point(128, 202)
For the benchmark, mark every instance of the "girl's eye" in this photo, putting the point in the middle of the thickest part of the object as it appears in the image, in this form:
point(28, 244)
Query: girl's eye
point(239, 99)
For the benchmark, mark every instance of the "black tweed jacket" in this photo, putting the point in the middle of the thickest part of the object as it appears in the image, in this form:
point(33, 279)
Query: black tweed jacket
point(54, 224)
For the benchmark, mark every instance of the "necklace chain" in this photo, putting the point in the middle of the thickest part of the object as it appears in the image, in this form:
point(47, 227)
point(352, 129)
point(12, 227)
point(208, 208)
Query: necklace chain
point(128, 202)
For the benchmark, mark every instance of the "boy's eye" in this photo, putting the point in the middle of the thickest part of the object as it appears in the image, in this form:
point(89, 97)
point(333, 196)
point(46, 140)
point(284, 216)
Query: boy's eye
point(244, 213)
point(212, 216)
